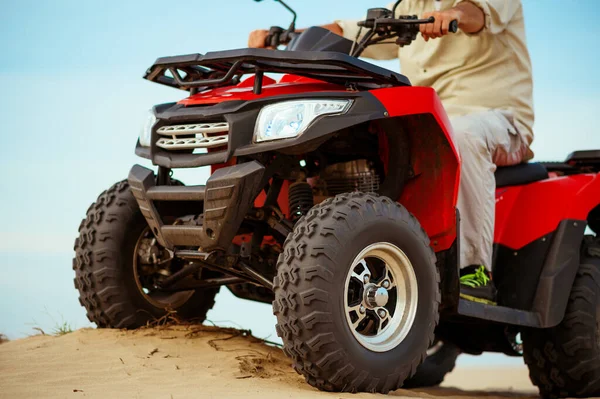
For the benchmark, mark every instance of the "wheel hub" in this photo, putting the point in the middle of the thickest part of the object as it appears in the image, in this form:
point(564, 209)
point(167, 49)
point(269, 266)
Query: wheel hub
point(380, 297)
point(150, 264)
point(376, 296)
point(148, 251)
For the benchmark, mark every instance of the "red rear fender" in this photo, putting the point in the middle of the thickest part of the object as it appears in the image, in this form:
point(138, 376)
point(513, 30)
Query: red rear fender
point(526, 213)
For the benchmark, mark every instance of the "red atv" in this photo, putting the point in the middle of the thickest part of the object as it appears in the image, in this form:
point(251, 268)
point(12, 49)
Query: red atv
point(333, 196)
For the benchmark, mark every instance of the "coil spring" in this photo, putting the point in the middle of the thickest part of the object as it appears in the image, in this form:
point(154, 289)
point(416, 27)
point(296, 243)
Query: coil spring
point(300, 198)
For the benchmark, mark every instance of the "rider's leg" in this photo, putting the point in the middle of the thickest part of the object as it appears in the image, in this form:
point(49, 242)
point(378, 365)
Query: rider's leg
point(484, 139)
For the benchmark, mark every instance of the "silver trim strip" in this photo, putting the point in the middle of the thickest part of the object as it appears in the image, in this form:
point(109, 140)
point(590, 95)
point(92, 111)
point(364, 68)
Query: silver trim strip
point(191, 143)
point(194, 128)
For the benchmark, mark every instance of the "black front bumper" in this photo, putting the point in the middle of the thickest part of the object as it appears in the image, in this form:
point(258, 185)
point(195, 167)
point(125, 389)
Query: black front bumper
point(228, 196)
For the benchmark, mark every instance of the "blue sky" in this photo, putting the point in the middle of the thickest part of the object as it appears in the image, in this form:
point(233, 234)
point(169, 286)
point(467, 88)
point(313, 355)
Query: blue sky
point(73, 101)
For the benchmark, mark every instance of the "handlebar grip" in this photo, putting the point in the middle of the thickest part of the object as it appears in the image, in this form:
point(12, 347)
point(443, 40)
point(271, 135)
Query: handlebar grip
point(285, 37)
point(453, 28)
point(273, 39)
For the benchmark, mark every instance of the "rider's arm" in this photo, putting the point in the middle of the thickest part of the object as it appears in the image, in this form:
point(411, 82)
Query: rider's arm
point(497, 13)
point(335, 28)
point(470, 18)
point(257, 38)
point(473, 16)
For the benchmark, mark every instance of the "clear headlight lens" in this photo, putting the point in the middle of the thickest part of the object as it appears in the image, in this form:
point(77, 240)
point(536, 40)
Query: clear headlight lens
point(291, 118)
point(146, 132)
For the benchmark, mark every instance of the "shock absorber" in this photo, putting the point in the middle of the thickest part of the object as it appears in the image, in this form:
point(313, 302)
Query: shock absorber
point(300, 198)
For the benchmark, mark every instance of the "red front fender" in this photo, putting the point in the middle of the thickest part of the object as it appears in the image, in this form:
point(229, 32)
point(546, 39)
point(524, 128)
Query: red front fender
point(432, 194)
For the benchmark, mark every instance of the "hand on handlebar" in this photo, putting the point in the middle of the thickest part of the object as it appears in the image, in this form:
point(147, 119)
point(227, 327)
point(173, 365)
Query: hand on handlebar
point(258, 38)
point(442, 24)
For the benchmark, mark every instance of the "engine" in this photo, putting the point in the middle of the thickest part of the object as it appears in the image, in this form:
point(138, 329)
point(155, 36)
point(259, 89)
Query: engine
point(358, 175)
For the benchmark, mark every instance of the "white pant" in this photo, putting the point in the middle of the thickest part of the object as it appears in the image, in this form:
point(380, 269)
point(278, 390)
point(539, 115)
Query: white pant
point(485, 140)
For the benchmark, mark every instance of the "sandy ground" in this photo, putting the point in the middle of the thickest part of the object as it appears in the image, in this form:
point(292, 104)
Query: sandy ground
point(193, 362)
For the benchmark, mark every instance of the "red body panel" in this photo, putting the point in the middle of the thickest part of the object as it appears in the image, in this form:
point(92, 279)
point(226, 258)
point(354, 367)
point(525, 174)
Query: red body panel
point(431, 196)
point(289, 84)
point(434, 156)
point(526, 213)
point(523, 213)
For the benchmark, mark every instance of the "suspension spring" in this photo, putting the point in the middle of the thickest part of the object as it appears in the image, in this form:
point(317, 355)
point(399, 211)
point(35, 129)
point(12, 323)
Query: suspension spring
point(300, 198)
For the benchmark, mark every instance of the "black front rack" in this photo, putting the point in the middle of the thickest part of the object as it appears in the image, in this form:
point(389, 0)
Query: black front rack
point(196, 72)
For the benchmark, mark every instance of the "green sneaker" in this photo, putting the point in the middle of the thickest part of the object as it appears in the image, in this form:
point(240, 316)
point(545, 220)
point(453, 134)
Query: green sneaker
point(476, 285)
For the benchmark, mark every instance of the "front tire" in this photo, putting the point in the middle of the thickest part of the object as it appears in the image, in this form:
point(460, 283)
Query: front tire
point(333, 342)
point(106, 274)
point(565, 360)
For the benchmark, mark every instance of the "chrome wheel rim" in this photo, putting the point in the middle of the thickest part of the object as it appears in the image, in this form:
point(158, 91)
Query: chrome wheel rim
point(380, 297)
point(142, 262)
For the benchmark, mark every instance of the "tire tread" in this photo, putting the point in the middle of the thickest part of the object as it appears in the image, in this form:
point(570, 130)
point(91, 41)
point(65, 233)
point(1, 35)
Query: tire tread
point(565, 360)
point(314, 352)
point(98, 277)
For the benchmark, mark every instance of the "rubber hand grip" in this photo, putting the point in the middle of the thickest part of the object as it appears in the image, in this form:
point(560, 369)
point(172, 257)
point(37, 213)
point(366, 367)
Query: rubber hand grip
point(268, 41)
point(273, 38)
point(453, 28)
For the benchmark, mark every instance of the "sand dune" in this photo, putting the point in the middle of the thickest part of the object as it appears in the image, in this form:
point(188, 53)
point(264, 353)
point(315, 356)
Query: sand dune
point(192, 362)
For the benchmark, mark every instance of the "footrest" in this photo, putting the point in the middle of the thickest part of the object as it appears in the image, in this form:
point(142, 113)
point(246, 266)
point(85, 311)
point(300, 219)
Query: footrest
point(498, 314)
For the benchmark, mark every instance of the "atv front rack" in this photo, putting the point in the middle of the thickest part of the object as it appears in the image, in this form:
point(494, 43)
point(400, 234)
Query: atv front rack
point(197, 72)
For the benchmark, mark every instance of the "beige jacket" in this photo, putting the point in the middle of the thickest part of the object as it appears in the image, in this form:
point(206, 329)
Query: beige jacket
point(471, 73)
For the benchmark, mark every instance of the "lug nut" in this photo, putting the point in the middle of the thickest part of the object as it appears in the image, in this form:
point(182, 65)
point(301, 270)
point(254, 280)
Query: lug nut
point(362, 309)
point(386, 284)
point(381, 313)
point(366, 278)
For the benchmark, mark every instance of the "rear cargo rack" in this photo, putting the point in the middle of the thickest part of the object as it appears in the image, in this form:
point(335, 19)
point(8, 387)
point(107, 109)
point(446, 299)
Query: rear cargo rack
point(197, 72)
point(586, 158)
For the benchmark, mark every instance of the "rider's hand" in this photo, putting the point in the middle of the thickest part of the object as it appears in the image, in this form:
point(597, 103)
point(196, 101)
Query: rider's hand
point(257, 38)
point(441, 25)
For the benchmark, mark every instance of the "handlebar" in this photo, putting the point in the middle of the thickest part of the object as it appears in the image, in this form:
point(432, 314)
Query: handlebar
point(405, 29)
point(382, 23)
point(279, 36)
point(382, 26)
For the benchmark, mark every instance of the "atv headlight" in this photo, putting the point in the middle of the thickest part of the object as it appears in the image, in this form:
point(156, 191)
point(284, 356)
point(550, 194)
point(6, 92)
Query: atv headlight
point(146, 133)
point(291, 118)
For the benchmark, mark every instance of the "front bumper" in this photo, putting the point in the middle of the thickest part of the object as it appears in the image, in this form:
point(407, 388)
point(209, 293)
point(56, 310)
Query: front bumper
point(228, 196)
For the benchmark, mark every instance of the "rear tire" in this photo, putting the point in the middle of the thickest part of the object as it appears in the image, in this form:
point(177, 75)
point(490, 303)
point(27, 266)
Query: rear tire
point(104, 267)
point(311, 295)
point(435, 367)
point(565, 360)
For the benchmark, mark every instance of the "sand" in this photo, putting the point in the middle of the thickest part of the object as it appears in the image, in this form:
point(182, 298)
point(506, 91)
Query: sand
point(193, 362)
